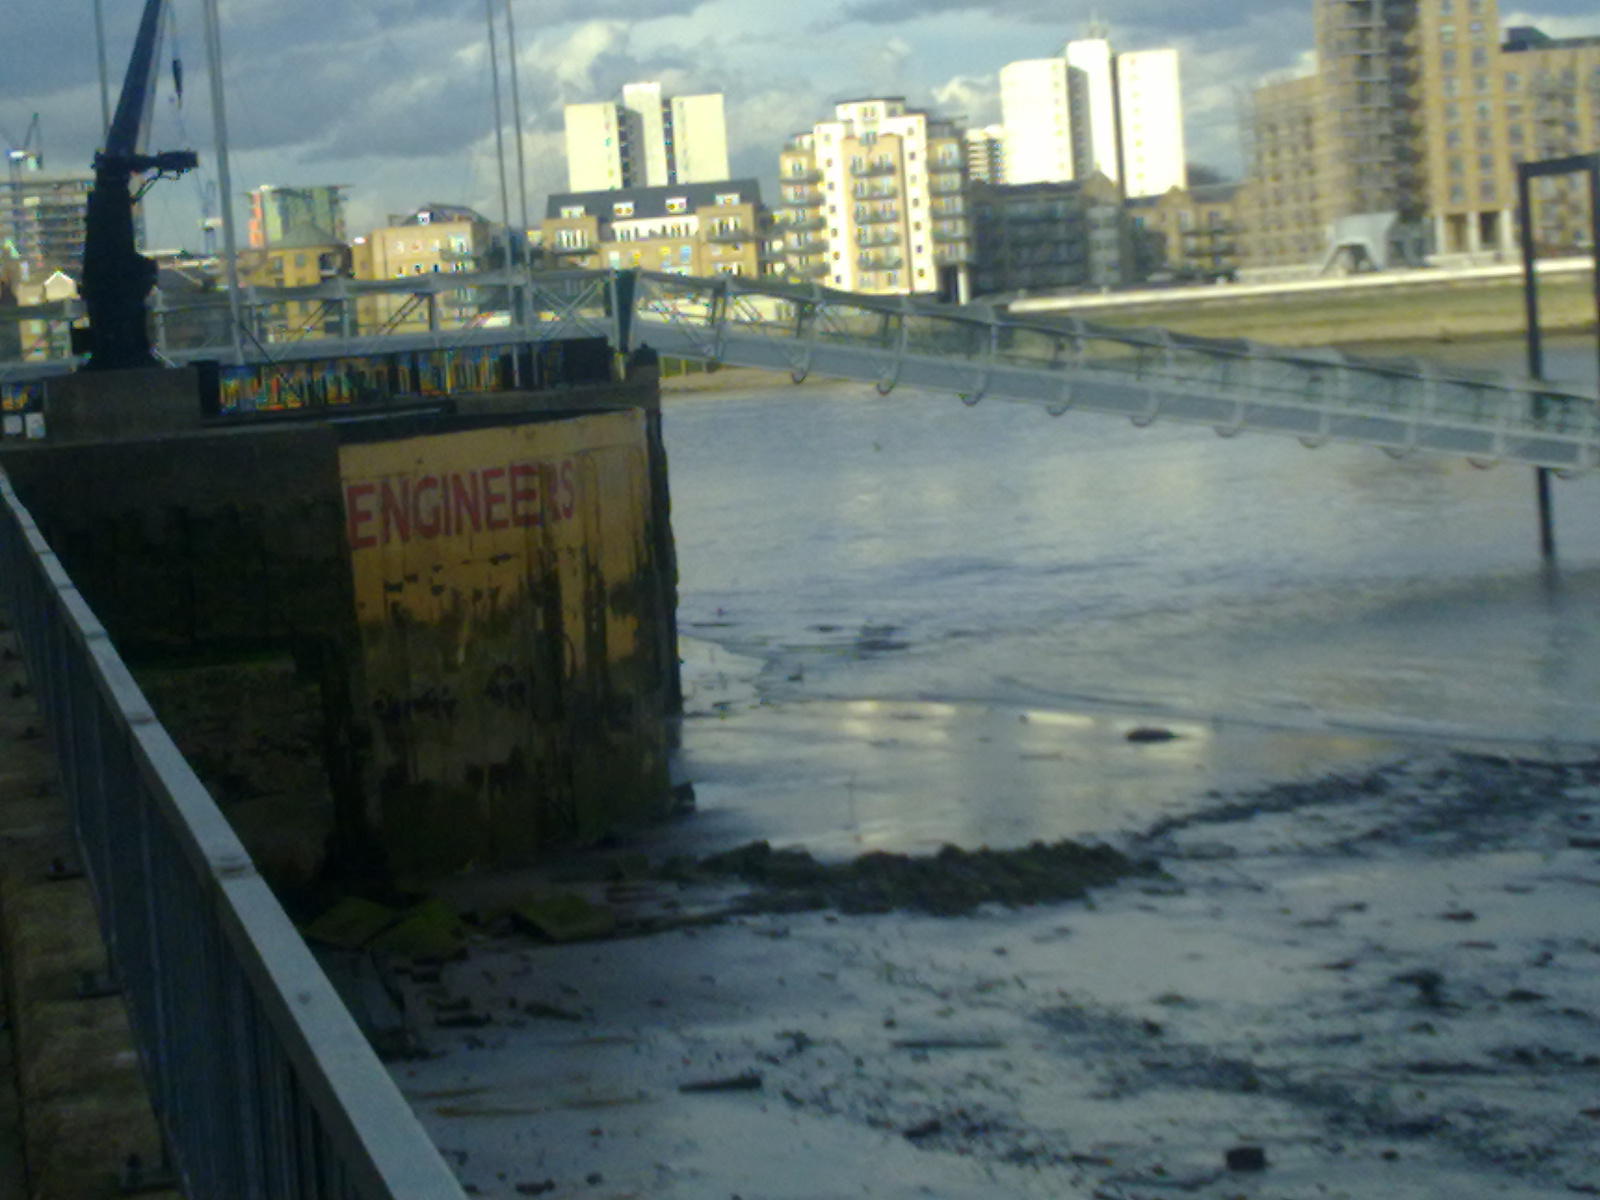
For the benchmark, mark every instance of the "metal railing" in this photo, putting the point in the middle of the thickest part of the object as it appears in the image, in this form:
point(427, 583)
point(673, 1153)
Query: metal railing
point(1144, 374)
point(438, 311)
point(1060, 363)
point(263, 1085)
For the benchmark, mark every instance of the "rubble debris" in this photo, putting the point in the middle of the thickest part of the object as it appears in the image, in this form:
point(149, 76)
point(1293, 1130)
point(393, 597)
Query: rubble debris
point(1147, 733)
point(1245, 1158)
point(565, 918)
point(951, 882)
point(748, 1081)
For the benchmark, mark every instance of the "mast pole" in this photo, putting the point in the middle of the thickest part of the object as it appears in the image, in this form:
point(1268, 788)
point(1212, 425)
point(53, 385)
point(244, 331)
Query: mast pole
point(219, 117)
point(516, 117)
point(105, 85)
point(499, 129)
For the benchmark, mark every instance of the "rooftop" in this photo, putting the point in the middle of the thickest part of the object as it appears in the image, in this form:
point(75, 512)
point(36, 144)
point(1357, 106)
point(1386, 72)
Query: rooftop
point(652, 201)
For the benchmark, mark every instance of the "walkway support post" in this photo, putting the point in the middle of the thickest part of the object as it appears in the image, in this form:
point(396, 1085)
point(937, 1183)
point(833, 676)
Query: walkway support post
point(1588, 164)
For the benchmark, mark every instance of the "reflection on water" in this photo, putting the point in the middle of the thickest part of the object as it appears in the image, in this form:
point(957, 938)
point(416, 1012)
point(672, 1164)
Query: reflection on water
point(873, 552)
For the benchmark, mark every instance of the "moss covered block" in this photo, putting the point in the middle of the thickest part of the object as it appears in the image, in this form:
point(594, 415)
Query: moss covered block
point(351, 923)
point(430, 930)
point(566, 918)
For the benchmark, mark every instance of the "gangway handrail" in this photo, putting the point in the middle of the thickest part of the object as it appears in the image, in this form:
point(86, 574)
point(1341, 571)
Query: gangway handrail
point(1316, 395)
point(262, 1082)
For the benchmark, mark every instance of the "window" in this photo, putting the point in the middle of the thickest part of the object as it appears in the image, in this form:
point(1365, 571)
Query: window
point(1480, 84)
point(1455, 166)
point(1486, 191)
point(1485, 163)
point(1447, 60)
point(1514, 134)
point(1450, 85)
point(1458, 194)
point(677, 204)
point(1480, 57)
point(1452, 138)
point(727, 199)
point(622, 208)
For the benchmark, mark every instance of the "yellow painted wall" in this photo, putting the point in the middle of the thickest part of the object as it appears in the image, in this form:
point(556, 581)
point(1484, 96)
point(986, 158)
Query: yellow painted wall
point(509, 608)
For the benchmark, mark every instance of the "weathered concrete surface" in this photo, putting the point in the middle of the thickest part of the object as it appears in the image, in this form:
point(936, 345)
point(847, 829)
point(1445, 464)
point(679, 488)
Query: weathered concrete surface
point(83, 1104)
point(109, 404)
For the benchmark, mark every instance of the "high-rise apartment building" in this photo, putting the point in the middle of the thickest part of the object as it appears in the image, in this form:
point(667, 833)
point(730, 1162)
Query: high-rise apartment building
point(1283, 212)
point(1417, 115)
point(276, 213)
point(1036, 110)
point(875, 201)
point(1093, 84)
point(1089, 111)
point(645, 139)
point(42, 221)
point(1150, 117)
point(986, 153)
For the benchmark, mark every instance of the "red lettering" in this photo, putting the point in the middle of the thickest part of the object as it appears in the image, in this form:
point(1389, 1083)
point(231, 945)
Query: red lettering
point(427, 518)
point(494, 498)
point(358, 515)
point(524, 498)
point(396, 510)
point(569, 489)
point(466, 502)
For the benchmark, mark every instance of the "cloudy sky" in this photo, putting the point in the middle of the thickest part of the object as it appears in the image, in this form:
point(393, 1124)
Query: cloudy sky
point(393, 97)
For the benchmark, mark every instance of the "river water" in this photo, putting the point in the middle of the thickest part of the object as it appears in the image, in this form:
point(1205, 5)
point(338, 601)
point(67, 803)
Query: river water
point(910, 622)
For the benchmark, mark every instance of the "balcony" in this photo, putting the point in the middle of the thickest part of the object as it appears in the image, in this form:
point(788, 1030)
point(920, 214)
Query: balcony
point(945, 185)
point(868, 170)
point(735, 235)
point(882, 216)
point(875, 191)
point(808, 271)
point(950, 233)
point(877, 235)
point(882, 262)
point(804, 244)
point(803, 198)
point(808, 175)
point(810, 222)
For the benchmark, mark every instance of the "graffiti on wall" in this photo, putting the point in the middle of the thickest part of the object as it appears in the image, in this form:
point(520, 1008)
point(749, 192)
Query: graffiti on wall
point(366, 379)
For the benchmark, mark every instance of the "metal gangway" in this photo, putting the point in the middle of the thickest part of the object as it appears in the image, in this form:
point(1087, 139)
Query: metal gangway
point(1066, 364)
point(1059, 363)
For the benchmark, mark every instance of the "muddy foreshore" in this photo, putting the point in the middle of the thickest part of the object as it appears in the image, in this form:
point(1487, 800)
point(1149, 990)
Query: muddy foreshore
point(1375, 984)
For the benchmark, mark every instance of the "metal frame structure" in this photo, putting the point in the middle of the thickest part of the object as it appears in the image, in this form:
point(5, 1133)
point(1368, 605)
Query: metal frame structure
point(1588, 164)
point(263, 1084)
point(1318, 396)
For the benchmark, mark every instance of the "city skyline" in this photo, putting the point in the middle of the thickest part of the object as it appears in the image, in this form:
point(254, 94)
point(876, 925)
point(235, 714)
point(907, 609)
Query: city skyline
point(398, 102)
